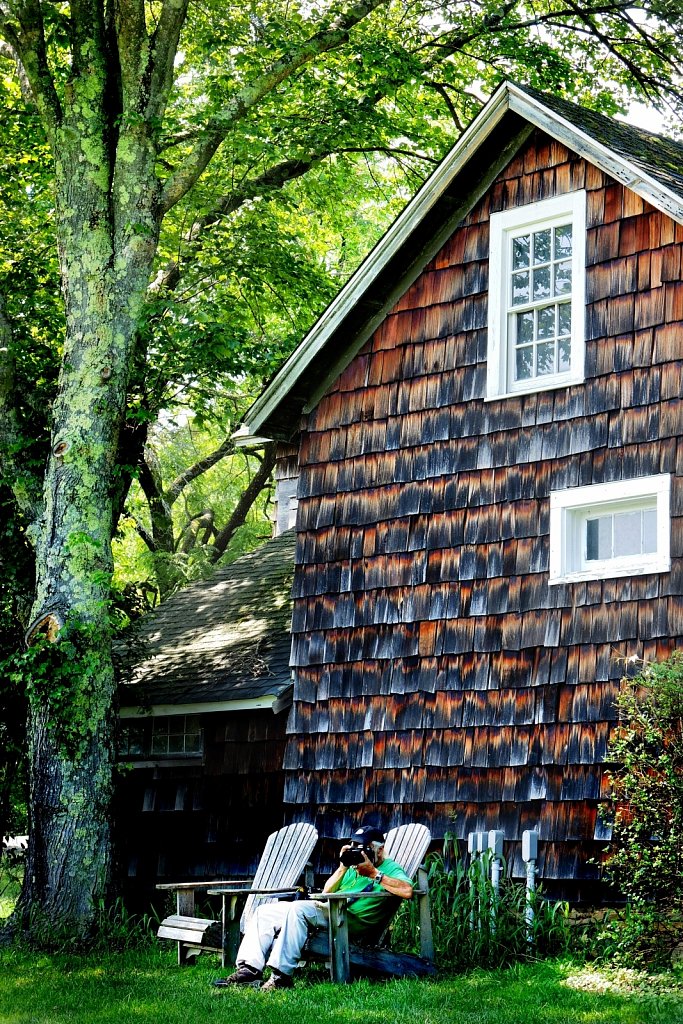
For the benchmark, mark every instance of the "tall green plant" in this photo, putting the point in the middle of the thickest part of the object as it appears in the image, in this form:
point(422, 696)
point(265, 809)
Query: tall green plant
point(476, 927)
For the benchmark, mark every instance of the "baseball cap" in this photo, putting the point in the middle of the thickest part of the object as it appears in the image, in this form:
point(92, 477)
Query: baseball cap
point(367, 834)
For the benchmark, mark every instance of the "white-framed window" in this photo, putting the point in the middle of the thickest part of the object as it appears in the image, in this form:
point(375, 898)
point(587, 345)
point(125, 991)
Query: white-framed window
point(606, 530)
point(537, 271)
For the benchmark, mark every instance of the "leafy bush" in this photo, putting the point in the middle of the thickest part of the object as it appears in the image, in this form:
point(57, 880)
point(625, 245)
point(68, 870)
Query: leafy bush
point(645, 858)
point(646, 855)
point(474, 927)
point(636, 934)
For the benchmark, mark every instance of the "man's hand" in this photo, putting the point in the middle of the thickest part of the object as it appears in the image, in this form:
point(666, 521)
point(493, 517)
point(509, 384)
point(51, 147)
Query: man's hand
point(366, 867)
point(341, 853)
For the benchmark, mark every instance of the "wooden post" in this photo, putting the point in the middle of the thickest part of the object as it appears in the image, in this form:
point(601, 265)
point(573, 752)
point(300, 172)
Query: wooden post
point(340, 970)
point(184, 908)
point(426, 937)
point(230, 929)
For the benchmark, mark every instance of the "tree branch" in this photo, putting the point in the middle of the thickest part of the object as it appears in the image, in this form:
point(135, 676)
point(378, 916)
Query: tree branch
point(192, 529)
point(144, 533)
point(133, 47)
point(442, 90)
point(25, 33)
point(247, 499)
point(275, 177)
point(249, 96)
point(149, 476)
point(646, 81)
point(163, 51)
point(26, 91)
point(173, 492)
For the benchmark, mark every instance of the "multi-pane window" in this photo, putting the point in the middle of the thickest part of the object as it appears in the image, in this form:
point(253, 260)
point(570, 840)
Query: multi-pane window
point(540, 302)
point(607, 530)
point(177, 734)
point(164, 736)
point(536, 296)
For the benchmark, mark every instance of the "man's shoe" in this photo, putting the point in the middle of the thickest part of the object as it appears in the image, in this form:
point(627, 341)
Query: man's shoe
point(244, 975)
point(277, 980)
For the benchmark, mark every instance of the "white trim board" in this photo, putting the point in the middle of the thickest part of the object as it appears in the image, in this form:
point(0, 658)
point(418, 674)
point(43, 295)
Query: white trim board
point(568, 510)
point(208, 707)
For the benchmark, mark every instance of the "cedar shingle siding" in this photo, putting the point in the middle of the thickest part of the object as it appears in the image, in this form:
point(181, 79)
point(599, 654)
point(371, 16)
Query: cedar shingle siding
point(438, 676)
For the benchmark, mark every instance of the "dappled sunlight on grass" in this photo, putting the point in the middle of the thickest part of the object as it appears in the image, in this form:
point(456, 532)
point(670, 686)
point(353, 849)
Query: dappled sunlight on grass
point(145, 986)
point(624, 981)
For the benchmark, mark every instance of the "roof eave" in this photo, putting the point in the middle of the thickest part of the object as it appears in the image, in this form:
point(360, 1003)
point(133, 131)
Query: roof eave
point(628, 172)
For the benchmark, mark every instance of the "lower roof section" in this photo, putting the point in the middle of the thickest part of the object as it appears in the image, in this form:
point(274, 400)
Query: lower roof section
point(221, 644)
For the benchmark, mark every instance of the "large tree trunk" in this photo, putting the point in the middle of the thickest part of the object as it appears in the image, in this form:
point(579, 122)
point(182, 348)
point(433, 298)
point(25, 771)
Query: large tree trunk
point(104, 118)
point(107, 199)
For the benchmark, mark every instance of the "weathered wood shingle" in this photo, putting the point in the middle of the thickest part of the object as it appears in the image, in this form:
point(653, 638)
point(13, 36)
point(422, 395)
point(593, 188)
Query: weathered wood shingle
point(439, 677)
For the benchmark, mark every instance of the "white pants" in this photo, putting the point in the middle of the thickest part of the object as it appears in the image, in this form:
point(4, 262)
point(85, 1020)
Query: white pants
point(279, 929)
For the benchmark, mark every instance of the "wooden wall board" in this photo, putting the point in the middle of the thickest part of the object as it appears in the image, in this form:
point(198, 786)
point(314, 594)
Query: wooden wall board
point(177, 822)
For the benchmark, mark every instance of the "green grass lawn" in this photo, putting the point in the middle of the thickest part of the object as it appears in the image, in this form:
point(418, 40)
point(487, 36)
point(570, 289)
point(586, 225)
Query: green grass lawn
point(144, 986)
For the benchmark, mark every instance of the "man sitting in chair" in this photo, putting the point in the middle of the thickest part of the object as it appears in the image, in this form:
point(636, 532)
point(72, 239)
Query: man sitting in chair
point(276, 932)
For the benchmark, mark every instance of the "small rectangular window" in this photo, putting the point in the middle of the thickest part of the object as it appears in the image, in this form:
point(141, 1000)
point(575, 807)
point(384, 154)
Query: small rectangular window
point(132, 739)
point(162, 737)
point(177, 734)
point(536, 296)
point(607, 530)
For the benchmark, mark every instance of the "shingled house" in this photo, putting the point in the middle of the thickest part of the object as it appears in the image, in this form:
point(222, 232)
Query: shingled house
point(203, 714)
point(488, 427)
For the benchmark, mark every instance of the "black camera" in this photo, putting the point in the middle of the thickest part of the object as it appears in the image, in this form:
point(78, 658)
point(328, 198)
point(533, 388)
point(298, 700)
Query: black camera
point(353, 856)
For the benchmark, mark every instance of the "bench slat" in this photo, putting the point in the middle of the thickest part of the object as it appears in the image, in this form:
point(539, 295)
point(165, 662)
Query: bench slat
point(179, 920)
point(178, 934)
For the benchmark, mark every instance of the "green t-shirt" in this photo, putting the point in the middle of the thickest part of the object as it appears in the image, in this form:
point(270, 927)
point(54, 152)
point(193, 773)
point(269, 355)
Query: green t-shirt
point(368, 914)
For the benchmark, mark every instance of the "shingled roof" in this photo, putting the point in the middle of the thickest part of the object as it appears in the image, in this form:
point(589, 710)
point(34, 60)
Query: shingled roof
point(222, 643)
point(648, 164)
point(656, 155)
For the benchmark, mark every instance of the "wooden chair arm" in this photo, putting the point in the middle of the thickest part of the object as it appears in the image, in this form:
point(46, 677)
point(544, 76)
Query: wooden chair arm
point(202, 885)
point(227, 891)
point(349, 897)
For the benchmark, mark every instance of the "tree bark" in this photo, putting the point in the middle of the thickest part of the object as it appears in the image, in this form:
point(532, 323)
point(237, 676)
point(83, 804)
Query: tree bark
point(107, 201)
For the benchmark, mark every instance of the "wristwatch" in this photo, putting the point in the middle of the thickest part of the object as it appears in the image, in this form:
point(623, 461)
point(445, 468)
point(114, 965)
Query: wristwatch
point(378, 877)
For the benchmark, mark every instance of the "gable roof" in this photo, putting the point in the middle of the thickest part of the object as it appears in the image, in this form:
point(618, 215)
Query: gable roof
point(646, 163)
point(221, 644)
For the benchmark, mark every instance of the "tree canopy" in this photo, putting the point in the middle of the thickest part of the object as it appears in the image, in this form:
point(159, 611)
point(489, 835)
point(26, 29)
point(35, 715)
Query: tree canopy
point(183, 188)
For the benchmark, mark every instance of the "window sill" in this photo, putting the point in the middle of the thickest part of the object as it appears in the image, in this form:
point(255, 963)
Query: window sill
point(161, 762)
point(537, 388)
point(611, 573)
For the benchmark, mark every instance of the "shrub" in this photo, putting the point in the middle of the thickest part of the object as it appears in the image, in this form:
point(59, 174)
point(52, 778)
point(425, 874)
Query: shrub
point(645, 857)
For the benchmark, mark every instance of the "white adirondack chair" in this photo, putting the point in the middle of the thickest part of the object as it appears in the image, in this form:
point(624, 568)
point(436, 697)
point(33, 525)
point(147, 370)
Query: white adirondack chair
point(280, 868)
point(407, 845)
